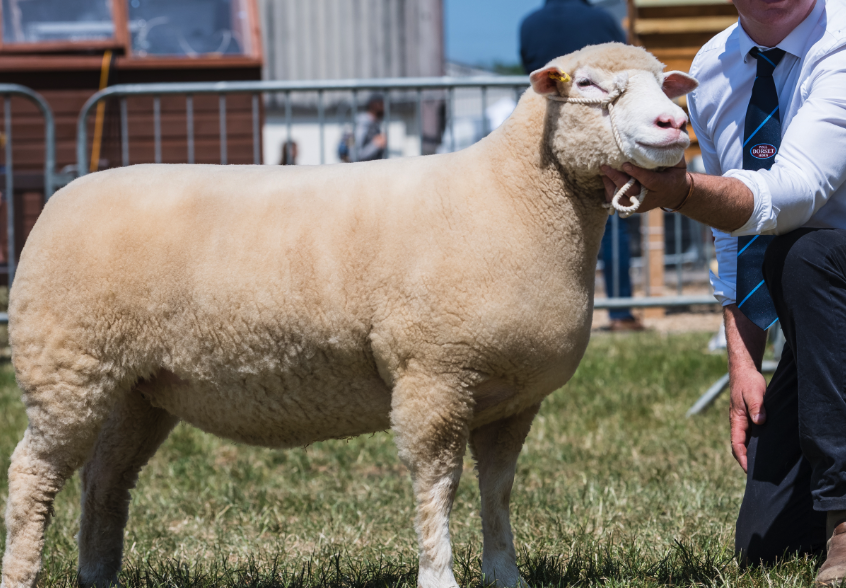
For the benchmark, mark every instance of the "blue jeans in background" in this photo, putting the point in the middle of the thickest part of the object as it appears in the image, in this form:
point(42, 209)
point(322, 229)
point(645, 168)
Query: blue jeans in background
point(625, 286)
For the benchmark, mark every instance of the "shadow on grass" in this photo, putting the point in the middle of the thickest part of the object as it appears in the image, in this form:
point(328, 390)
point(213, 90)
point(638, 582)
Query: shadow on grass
point(683, 565)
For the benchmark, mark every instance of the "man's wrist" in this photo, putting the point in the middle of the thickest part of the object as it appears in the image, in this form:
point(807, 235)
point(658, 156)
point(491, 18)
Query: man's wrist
point(746, 342)
point(689, 186)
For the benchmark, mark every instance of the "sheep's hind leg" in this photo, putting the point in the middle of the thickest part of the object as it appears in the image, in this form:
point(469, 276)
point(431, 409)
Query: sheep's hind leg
point(63, 424)
point(430, 420)
point(495, 447)
point(129, 438)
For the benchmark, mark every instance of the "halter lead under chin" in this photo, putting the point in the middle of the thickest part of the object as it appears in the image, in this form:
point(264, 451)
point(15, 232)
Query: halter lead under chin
point(606, 103)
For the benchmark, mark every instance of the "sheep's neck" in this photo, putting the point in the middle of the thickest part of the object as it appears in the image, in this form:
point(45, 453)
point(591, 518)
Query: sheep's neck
point(566, 202)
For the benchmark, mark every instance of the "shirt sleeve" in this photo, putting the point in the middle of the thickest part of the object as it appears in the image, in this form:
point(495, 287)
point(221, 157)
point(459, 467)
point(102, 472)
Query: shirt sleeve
point(706, 143)
point(366, 150)
point(810, 165)
point(724, 282)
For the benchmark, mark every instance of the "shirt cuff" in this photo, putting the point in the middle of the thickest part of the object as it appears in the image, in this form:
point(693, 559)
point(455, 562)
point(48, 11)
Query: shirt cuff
point(763, 220)
point(724, 292)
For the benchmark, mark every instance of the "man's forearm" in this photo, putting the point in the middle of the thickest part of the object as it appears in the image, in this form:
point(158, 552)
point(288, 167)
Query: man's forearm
point(746, 342)
point(723, 203)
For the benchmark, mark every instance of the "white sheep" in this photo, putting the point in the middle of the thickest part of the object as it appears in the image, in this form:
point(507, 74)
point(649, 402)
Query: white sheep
point(443, 297)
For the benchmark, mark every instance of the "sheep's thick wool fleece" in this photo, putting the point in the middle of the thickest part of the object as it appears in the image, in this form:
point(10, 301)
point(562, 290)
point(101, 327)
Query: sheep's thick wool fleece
point(442, 296)
point(278, 305)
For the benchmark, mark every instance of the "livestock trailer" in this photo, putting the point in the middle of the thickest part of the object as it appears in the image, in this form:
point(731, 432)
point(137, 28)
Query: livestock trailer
point(67, 50)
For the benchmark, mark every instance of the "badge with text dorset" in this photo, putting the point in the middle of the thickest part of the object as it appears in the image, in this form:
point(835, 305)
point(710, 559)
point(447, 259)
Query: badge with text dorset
point(763, 151)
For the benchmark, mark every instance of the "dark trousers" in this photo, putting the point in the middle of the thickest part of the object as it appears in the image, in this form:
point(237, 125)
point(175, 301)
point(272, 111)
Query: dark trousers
point(797, 459)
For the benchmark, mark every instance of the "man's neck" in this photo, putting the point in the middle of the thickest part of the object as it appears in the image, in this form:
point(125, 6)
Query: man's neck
point(770, 34)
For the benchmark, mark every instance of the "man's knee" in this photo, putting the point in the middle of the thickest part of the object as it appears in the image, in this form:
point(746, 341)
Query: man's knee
point(800, 258)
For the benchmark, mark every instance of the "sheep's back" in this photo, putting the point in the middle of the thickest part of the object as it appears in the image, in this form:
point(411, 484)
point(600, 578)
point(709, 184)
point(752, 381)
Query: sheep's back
point(151, 265)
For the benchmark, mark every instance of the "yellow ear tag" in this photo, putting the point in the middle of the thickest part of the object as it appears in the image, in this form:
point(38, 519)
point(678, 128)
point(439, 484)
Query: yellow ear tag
point(559, 76)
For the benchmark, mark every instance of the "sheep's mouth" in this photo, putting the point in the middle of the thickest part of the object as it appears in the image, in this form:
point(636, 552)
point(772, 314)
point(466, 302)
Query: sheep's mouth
point(674, 144)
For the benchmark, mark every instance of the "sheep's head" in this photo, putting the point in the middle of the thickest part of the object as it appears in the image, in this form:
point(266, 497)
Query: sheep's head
point(651, 127)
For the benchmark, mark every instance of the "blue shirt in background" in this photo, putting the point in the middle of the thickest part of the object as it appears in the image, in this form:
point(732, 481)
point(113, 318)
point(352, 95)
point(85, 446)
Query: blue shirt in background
point(564, 26)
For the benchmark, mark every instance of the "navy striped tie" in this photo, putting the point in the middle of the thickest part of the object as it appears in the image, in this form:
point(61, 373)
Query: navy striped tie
point(761, 140)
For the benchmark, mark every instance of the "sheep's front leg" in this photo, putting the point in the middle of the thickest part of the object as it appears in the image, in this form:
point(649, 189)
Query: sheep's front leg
point(430, 418)
point(495, 447)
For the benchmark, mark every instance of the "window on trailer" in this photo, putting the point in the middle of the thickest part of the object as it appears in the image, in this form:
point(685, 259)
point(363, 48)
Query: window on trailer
point(188, 27)
point(40, 21)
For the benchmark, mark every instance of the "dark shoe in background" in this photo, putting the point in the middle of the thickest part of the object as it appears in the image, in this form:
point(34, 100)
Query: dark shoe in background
point(625, 325)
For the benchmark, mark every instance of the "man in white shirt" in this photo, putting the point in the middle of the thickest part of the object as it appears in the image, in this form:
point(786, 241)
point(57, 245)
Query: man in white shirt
point(791, 441)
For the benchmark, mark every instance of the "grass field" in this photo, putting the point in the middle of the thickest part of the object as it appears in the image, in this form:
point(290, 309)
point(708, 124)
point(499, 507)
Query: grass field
point(614, 488)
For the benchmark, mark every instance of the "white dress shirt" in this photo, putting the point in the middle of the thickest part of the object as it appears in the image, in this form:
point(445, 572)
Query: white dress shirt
point(805, 186)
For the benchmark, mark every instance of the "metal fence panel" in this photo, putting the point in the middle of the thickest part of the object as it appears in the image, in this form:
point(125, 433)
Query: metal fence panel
point(7, 91)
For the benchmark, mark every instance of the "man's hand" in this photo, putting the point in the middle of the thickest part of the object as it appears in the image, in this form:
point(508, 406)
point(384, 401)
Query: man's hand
point(667, 188)
point(747, 404)
point(746, 343)
point(722, 203)
point(380, 140)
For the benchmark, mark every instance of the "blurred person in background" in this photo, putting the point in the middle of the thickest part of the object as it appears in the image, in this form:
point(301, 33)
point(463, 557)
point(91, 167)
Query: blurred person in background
point(370, 141)
point(289, 153)
point(558, 28)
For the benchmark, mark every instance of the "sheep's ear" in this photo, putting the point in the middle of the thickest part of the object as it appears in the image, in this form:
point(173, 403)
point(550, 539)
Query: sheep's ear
point(678, 83)
point(544, 80)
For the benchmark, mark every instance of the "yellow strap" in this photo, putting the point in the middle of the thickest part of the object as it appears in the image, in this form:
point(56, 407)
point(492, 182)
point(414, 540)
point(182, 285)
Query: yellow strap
point(559, 76)
point(101, 110)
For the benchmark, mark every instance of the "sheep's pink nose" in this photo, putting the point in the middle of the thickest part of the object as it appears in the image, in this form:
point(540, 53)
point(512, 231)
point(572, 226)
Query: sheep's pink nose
point(668, 121)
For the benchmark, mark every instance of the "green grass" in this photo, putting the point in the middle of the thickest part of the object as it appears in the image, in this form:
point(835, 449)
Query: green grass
point(614, 488)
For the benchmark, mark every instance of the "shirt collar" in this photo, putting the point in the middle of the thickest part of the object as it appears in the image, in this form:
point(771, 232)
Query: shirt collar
point(794, 43)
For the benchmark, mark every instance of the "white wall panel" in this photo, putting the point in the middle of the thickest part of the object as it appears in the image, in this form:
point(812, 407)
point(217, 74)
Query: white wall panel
point(331, 39)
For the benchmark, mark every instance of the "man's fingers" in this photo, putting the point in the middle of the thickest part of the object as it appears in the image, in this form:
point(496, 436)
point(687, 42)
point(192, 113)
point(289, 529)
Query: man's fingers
point(738, 450)
point(739, 425)
point(755, 409)
point(753, 398)
point(610, 188)
point(738, 438)
point(616, 176)
point(643, 176)
point(613, 181)
point(634, 190)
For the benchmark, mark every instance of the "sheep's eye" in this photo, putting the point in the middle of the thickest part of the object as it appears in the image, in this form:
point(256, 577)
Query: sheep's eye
point(584, 83)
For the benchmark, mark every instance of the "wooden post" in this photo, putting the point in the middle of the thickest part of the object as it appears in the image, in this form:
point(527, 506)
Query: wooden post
point(653, 238)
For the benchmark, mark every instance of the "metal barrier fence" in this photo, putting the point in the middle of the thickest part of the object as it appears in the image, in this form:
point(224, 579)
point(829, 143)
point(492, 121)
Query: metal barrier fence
point(413, 86)
point(257, 88)
point(7, 91)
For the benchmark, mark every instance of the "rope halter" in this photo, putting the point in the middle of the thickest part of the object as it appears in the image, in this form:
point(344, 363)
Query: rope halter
point(606, 103)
